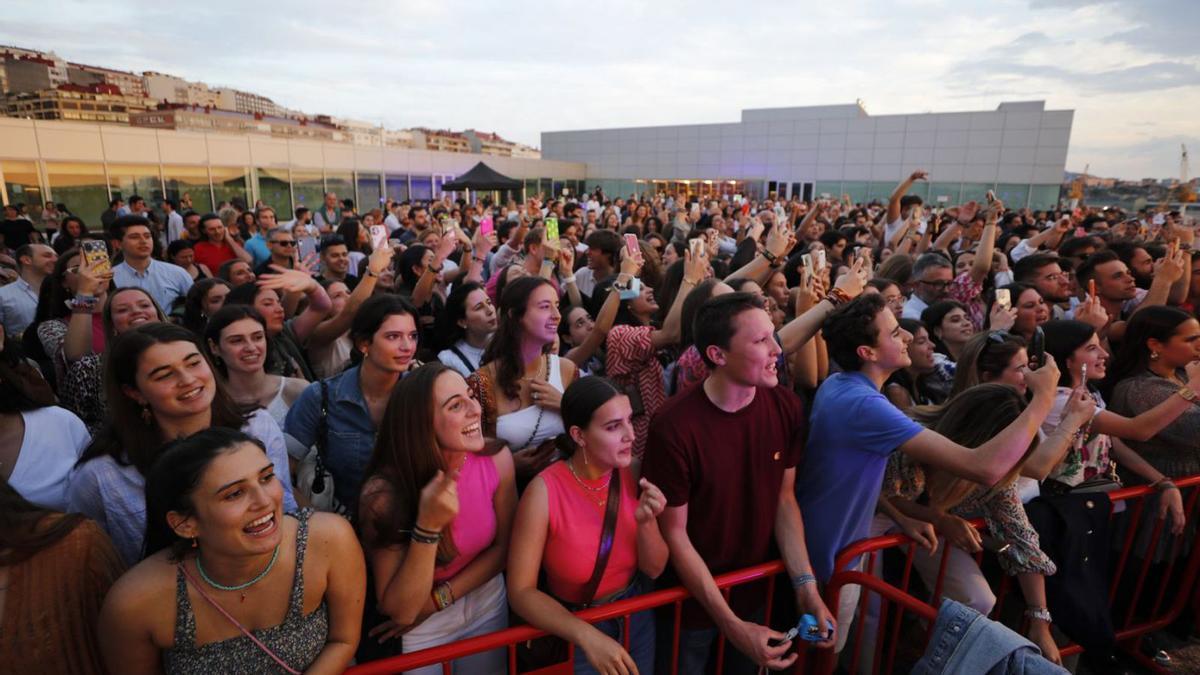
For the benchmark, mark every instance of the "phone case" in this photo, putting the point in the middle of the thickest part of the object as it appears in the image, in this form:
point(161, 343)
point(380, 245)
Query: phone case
point(631, 243)
point(94, 251)
point(552, 229)
point(487, 226)
point(378, 236)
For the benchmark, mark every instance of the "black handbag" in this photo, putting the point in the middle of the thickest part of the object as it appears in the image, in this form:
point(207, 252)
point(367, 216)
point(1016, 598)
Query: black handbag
point(549, 650)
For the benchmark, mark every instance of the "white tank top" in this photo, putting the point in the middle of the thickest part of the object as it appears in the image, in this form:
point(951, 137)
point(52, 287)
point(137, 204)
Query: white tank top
point(522, 429)
point(277, 408)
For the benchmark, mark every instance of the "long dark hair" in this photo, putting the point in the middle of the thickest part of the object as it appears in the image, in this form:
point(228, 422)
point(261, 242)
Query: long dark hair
point(371, 315)
point(691, 304)
point(933, 316)
point(984, 357)
point(54, 294)
point(66, 240)
point(174, 477)
point(193, 305)
point(22, 534)
point(447, 332)
point(219, 322)
point(126, 437)
point(406, 457)
point(1159, 322)
point(505, 347)
point(1063, 337)
point(579, 403)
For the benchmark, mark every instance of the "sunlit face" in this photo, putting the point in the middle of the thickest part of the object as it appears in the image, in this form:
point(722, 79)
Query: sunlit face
point(1014, 373)
point(1053, 283)
point(956, 327)
point(336, 259)
point(920, 351)
point(608, 437)
point(267, 303)
point(393, 345)
point(579, 325)
point(240, 273)
point(1114, 282)
point(645, 305)
point(540, 322)
point(895, 300)
point(963, 263)
point(339, 293)
point(214, 299)
point(1031, 312)
point(174, 381)
point(43, 259)
point(934, 284)
point(752, 357)
point(266, 220)
point(1141, 264)
point(243, 346)
point(131, 307)
point(1091, 354)
point(456, 415)
point(890, 351)
point(480, 316)
point(137, 242)
point(282, 245)
point(214, 230)
point(1181, 348)
point(238, 504)
point(184, 258)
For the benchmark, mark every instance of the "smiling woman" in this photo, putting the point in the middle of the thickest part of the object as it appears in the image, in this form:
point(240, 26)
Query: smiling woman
point(218, 535)
point(159, 387)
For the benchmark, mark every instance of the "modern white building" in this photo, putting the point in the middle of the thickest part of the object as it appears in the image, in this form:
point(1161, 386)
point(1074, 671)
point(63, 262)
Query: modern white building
point(1019, 150)
point(84, 165)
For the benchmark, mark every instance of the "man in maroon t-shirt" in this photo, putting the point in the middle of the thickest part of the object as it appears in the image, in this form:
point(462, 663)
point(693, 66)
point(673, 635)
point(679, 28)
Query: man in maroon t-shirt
point(218, 244)
point(725, 456)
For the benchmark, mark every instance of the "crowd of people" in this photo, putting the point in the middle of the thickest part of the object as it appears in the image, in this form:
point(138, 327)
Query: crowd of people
point(437, 419)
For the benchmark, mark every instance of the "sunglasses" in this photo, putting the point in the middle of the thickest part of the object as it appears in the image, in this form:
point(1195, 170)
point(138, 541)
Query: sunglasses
point(284, 243)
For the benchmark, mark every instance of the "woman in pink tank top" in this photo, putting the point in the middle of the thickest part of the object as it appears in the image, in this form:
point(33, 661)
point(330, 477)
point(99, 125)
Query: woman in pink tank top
point(559, 531)
point(435, 516)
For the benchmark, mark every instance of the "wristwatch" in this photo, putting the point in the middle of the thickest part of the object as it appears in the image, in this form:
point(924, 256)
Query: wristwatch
point(1039, 613)
point(623, 286)
point(1188, 394)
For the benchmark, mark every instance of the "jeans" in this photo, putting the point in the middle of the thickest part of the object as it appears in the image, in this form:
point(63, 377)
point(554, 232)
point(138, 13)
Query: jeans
point(698, 651)
point(641, 634)
point(483, 610)
point(965, 641)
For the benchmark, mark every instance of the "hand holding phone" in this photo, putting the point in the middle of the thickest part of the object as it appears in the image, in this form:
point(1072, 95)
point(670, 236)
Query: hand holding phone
point(379, 235)
point(96, 252)
point(631, 244)
point(1004, 298)
point(551, 228)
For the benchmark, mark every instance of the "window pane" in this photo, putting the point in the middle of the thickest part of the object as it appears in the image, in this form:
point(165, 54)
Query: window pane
point(531, 188)
point(191, 181)
point(975, 191)
point(127, 180)
point(1013, 196)
point(22, 185)
point(948, 190)
point(273, 189)
point(342, 185)
point(229, 184)
point(309, 189)
point(829, 190)
point(81, 187)
point(422, 188)
point(856, 190)
point(1044, 196)
point(438, 181)
point(397, 187)
point(368, 191)
point(546, 187)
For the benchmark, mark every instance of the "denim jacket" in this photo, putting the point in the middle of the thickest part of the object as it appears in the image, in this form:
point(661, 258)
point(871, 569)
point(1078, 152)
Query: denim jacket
point(964, 641)
point(351, 431)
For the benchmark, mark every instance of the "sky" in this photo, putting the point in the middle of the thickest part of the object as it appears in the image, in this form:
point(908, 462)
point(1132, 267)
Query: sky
point(1130, 69)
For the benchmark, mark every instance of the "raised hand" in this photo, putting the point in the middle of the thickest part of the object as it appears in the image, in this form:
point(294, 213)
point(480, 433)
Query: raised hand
point(288, 281)
point(380, 259)
point(650, 503)
point(1044, 380)
point(438, 503)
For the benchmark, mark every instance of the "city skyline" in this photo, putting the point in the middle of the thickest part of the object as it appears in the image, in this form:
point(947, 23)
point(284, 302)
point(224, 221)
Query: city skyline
point(1129, 69)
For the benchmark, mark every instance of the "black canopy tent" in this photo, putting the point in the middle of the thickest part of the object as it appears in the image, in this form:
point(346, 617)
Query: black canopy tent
point(483, 177)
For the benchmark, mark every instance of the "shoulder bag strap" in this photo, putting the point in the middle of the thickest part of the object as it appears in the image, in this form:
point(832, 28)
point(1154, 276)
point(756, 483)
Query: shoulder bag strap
point(318, 484)
point(282, 664)
point(462, 357)
point(606, 536)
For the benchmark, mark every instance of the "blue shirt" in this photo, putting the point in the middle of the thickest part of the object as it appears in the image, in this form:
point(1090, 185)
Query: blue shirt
point(18, 305)
point(163, 281)
point(351, 433)
point(852, 431)
point(256, 246)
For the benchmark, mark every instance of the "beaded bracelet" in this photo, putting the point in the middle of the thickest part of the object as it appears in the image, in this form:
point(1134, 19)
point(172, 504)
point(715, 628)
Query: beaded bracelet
point(801, 580)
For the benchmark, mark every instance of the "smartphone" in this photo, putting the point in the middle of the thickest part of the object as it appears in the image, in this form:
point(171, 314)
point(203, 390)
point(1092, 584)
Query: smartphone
point(697, 246)
point(631, 242)
point(1037, 348)
point(379, 235)
point(96, 251)
point(1004, 298)
point(991, 196)
point(487, 226)
point(807, 261)
point(552, 229)
point(819, 259)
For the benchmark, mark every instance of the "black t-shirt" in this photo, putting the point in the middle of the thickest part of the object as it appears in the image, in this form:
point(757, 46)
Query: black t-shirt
point(16, 232)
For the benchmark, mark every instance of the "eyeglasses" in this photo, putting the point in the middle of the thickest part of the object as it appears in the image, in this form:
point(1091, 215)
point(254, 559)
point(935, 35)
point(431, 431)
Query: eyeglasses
point(937, 284)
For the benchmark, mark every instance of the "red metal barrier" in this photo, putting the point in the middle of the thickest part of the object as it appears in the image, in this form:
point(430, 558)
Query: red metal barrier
point(895, 599)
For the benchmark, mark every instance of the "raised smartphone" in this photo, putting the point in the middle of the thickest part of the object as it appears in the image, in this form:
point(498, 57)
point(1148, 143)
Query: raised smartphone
point(96, 252)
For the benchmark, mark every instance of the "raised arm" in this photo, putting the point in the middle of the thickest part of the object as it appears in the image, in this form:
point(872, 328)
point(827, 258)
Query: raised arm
point(334, 327)
point(78, 341)
point(893, 208)
point(238, 249)
point(779, 242)
point(801, 329)
point(693, 273)
point(297, 281)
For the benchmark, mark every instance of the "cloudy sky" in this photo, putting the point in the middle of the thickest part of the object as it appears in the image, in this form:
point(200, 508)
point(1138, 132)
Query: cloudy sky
point(1129, 68)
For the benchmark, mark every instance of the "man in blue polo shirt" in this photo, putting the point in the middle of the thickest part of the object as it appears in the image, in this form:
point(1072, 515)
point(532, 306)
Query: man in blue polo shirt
point(164, 282)
point(854, 428)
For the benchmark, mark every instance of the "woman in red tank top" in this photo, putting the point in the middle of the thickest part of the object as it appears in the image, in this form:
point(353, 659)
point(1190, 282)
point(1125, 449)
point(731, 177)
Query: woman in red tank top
point(560, 526)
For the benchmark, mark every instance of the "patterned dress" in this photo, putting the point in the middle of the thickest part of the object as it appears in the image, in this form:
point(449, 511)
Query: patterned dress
point(297, 641)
